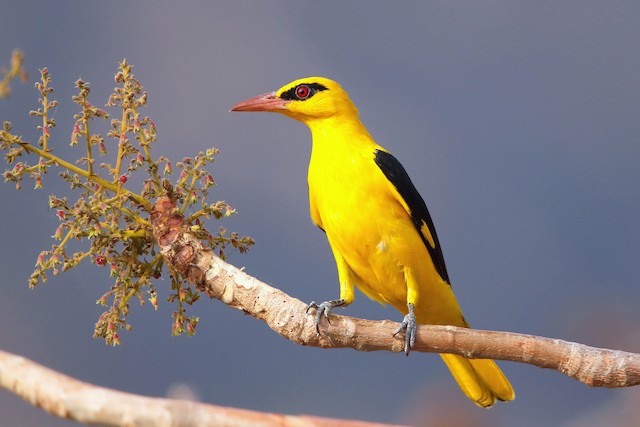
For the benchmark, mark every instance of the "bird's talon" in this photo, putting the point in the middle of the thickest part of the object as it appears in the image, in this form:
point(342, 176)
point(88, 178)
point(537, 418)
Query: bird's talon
point(311, 305)
point(400, 328)
point(323, 310)
point(410, 328)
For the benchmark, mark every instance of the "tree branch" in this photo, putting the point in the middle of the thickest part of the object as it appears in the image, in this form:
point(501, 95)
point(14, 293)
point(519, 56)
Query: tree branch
point(69, 398)
point(286, 315)
point(66, 397)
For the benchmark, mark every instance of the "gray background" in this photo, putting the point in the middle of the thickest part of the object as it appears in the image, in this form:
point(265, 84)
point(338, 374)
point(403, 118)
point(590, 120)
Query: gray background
point(517, 121)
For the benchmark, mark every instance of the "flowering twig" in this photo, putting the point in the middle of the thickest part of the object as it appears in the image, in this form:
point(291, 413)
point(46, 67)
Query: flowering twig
point(107, 212)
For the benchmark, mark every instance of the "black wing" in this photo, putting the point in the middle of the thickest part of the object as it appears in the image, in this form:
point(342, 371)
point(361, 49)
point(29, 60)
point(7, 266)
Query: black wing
point(396, 174)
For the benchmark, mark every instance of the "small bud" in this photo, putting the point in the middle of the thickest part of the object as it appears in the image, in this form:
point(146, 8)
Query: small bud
point(74, 134)
point(103, 149)
point(122, 179)
point(38, 181)
point(139, 159)
point(153, 299)
point(123, 139)
point(102, 300)
point(40, 260)
point(100, 260)
point(116, 339)
point(183, 174)
point(136, 125)
point(112, 270)
point(45, 131)
point(60, 214)
point(176, 328)
point(182, 294)
point(53, 201)
point(167, 168)
point(58, 234)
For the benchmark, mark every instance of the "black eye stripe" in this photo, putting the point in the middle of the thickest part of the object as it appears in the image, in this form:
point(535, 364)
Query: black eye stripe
point(314, 88)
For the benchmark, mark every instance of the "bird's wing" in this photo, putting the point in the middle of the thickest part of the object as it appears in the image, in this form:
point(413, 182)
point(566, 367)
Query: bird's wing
point(413, 203)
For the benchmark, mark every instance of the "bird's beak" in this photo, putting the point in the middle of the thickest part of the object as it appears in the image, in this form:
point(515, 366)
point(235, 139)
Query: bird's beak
point(264, 102)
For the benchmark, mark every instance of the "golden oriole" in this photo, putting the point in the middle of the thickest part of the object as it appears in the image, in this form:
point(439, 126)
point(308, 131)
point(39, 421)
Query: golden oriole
point(378, 226)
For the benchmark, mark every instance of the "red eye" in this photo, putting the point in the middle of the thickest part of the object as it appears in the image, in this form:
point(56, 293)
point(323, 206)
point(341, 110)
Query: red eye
point(303, 92)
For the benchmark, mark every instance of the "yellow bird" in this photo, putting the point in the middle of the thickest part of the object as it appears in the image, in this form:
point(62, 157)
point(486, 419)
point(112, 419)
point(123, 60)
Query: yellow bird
point(378, 226)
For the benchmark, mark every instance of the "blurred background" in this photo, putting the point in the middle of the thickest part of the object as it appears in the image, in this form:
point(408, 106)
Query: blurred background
point(517, 121)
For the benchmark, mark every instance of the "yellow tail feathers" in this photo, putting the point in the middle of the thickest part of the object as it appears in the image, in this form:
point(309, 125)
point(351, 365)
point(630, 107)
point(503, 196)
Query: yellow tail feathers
point(480, 379)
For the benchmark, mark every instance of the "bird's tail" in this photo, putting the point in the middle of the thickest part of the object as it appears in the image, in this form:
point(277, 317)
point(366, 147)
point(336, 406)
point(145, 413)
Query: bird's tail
point(480, 379)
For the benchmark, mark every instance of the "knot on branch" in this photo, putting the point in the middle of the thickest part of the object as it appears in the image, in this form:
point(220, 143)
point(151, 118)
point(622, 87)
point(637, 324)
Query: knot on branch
point(170, 230)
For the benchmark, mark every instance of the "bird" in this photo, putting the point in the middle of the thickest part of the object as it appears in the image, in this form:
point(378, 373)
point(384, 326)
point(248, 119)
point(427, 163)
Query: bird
point(378, 226)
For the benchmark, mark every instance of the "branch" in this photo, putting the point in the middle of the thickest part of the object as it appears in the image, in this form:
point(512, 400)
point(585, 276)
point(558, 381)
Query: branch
point(66, 397)
point(286, 315)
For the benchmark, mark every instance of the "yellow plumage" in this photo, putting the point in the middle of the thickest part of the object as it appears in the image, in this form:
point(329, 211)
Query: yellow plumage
point(377, 225)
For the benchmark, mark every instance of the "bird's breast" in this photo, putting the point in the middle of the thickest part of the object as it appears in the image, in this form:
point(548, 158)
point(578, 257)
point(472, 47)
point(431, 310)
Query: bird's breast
point(350, 199)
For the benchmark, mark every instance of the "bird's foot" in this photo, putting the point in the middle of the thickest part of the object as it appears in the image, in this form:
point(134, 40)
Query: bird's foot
point(409, 327)
point(324, 309)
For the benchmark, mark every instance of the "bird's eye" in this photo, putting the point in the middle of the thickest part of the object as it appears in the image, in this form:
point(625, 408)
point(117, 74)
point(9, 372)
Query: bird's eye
point(303, 92)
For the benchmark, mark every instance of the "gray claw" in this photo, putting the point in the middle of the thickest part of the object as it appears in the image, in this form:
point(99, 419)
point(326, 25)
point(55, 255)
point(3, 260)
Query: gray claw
point(324, 309)
point(409, 326)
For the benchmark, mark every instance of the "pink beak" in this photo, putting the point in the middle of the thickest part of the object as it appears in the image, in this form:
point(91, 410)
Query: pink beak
point(264, 102)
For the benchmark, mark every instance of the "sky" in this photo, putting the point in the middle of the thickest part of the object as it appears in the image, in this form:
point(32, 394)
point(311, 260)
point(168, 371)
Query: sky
point(517, 122)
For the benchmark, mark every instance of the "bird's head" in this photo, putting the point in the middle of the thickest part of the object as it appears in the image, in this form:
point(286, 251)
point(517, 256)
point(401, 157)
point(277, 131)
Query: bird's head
point(306, 100)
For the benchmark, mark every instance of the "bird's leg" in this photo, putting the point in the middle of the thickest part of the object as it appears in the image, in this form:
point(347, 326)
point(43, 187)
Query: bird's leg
point(409, 327)
point(345, 277)
point(324, 309)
